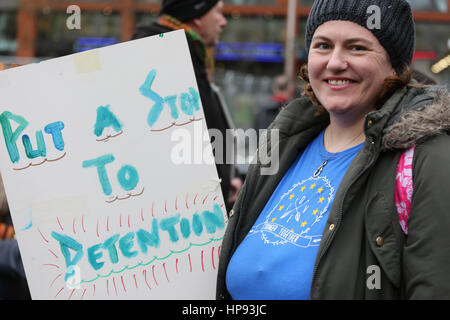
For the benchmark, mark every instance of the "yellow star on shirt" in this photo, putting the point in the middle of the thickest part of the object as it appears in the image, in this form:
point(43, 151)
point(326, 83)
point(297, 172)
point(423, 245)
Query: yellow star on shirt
point(321, 199)
point(291, 196)
point(304, 223)
point(315, 211)
point(320, 190)
point(313, 185)
point(281, 207)
point(303, 188)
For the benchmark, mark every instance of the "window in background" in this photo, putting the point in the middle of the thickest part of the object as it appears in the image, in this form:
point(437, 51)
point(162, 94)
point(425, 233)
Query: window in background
point(250, 53)
point(150, 1)
point(246, 75)
point(431, 46)
point(306, 3)
point(418, 5)
point(54, 39)
point(146, 18)
point(8, 31)
point(250, 2)
point(429, 5)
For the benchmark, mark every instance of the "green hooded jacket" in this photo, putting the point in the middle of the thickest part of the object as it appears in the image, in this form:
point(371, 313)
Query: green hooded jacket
point(364, 253)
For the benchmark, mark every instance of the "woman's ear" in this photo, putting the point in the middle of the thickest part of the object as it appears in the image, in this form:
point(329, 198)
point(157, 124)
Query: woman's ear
point(197, 23)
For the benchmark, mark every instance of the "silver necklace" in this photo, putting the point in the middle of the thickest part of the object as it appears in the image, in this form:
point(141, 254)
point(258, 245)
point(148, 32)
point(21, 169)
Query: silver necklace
point(320, 169)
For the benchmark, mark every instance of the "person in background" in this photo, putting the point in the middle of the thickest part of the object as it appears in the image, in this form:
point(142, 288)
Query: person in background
point(13, 283)
point(345, 217)
point(283, 91)
point(203, 22)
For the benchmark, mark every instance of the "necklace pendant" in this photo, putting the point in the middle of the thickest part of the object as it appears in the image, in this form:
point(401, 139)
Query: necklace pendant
point(319, 169)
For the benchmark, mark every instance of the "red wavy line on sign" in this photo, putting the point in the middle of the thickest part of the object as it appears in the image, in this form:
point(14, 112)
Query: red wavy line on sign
point(190, 263)
point(123, 284)
point(165, 271)
point(71, 293)
point(135, 281)
point(51, 284)
point(82, 223)
point(59, 222)
point(114, 282)
point(153, 272)
point(59, 292)
point(84, 291)
point(53, 253)
point(203, 267)
point(42, 235)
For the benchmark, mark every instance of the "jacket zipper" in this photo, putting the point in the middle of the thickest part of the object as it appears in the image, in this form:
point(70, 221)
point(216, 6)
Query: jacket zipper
point(327, 244)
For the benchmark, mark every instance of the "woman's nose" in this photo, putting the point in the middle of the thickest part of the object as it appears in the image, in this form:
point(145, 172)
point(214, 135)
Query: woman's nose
point(337, 61)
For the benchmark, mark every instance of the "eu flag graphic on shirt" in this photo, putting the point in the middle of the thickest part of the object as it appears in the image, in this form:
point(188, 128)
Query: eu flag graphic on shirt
point(276, 259)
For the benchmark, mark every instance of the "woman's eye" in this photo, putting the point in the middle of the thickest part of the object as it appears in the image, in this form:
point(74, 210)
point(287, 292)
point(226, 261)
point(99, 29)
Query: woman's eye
point(358, 48)
point(322, 46)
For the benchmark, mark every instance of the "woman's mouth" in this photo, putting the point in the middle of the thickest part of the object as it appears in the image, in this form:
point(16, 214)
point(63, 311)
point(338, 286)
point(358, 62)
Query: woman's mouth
point(339, 83)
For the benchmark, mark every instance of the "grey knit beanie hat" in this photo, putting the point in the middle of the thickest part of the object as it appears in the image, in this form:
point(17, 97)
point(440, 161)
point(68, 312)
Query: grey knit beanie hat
point(395, 30)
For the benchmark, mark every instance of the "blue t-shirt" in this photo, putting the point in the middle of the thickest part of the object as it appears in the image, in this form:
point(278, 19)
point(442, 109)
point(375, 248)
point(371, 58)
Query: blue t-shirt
point(276, 259)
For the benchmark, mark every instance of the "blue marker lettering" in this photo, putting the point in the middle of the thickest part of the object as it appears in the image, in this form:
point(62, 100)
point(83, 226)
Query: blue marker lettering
point(105, 118)
point(110, 245)
point(146, 91)
point(214, 219)
point(168, 224)
point(185, 228)
point(187, 106)
point(197, 225)
point(145, 238)
point(128, 177)
point(172, 102)
point(125, 245)
point(66, 243)
point(40, 151)
point(10, 136)
point(100, 163)
point(55, 129)
point(195, 98)
point(94, 256)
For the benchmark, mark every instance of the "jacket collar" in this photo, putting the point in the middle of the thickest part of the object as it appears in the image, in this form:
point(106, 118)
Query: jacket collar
point(407, 117)
point(422, 113)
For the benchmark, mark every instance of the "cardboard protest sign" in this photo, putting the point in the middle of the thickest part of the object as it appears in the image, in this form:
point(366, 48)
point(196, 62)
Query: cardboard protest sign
point(100, 208)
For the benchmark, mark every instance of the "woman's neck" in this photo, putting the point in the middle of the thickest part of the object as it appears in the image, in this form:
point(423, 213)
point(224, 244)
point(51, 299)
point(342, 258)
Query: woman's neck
point(343, 135)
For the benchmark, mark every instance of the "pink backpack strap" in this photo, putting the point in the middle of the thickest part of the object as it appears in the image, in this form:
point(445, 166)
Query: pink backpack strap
point(404, 187)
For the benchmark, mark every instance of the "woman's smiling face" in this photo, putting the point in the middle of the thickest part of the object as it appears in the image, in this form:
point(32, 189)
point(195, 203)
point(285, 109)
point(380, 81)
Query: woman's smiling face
point(346, 68)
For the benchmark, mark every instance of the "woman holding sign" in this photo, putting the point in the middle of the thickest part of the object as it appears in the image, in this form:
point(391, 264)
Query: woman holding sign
point(333, 222)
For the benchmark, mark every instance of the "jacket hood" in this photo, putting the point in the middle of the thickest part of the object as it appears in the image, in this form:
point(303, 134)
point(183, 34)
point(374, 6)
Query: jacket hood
point(411, 115)
point(421, 114)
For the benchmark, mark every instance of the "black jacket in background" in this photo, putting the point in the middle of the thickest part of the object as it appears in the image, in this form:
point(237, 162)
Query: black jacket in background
point(13, 284)
point(214, 114)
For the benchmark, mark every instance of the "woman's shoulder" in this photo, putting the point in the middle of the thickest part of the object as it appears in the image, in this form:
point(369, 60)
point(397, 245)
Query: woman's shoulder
point(425, 115)
point(298, 115)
